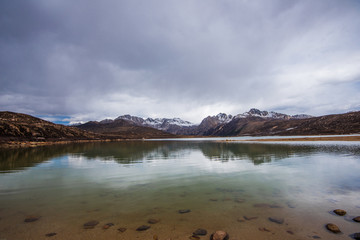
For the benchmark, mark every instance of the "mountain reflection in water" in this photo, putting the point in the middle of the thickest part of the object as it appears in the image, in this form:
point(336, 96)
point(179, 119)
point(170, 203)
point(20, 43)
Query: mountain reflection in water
point(137, 151)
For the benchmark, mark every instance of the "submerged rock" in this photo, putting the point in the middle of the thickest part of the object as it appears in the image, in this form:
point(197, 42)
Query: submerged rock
point(108, 225)
point(50, 234)
point(340, 212)
point(263, 229)
point(250, 218)
point(184, 211)
point(153, 221)
point(356, 219)
point(121, 229)
point(276, 220)
point(90, 224)
point(200, 231)
point(333, 228)
point(219, 235)
point(31, 219)
point(143, 228)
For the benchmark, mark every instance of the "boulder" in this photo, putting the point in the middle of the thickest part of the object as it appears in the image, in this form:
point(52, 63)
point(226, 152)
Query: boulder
point(340, 212)
point(200, 232)
point(143, 228)
point(333, 228)
point(219, 235)
point(91, 224)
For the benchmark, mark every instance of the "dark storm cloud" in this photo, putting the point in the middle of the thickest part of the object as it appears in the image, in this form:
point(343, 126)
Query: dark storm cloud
point(96, 59)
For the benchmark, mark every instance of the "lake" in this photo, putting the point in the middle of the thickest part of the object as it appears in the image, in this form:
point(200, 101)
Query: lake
point(230, 186)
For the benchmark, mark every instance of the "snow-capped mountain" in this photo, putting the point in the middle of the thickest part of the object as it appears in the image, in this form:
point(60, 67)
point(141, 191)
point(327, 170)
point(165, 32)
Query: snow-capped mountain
point(159, 123)
point(207, 125)
point(271, 115)
point(166, 122)
point(223, 117)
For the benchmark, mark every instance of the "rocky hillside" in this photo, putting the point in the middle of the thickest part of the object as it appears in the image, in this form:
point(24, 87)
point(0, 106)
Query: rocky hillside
point(18, 126)
point(255, 125)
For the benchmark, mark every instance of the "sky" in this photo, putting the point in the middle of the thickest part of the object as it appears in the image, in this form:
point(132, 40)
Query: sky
point(81, 60)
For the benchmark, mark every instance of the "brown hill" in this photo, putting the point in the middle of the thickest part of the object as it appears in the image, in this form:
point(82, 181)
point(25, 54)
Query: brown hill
point(347, 123)
point(23, 127)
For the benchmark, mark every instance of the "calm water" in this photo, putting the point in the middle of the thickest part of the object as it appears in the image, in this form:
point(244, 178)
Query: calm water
point(223, 184)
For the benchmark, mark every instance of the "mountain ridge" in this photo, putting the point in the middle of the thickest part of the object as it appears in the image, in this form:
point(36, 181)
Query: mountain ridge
point(178, 126)
point(254, 122)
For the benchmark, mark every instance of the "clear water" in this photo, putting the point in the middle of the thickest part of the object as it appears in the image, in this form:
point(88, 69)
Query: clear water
point(128, 183)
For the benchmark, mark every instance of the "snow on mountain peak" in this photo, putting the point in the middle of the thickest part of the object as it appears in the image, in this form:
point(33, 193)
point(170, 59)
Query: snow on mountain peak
point(253, 112)
point(224, 118)
point(159, 123)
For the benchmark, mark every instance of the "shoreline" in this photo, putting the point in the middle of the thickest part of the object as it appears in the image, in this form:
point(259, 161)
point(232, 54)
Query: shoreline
point(312, 138)
point(27, 143)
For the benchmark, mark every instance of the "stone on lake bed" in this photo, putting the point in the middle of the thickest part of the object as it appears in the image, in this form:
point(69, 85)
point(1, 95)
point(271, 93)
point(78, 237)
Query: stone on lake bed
point(340, 212)
point(31, 219)
point(356, 219)
point(108, 225)
point(263, 229)
point(143, 228)
point(276, 220)
point(153, 221)
point(184, 211)
point(121, 229)
point(250, 218)
point(200, 231)
point(50, 234)
point(333, 228)
point(90, 224)
point(219, 235)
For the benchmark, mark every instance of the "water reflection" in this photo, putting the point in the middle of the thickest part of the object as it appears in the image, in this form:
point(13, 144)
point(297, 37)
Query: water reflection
point(127, 183)
point(137, 151)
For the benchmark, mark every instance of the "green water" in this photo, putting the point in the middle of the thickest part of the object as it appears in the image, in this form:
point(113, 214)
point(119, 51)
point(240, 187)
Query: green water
point(128, 183)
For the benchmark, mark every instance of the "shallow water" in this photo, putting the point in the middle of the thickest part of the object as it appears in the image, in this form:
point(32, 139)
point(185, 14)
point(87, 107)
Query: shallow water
point(232, 186)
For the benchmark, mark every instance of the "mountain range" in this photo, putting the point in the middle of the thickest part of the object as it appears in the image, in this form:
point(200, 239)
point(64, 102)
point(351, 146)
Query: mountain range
point(209, 126)
point(18, 127)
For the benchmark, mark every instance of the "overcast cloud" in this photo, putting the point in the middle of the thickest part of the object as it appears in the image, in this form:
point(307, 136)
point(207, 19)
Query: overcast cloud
point(91, 60)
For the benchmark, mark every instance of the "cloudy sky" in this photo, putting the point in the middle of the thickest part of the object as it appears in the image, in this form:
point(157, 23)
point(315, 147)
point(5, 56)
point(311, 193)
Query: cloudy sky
point(89, 60)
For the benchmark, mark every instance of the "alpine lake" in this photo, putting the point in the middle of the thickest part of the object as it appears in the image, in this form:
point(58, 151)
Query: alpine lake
point(172, 188)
